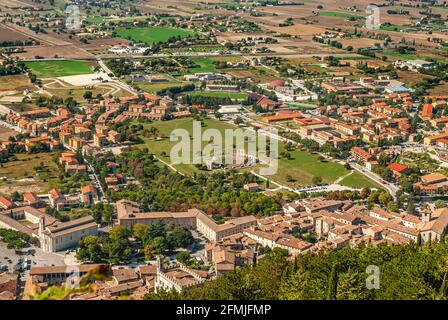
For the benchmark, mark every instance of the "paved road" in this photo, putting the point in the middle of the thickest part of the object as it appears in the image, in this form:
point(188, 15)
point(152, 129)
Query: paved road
point(118, 82)
point(388, 186)
point(196, 54)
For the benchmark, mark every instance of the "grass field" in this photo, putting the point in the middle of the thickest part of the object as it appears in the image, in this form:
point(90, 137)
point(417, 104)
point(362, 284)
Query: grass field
point(302, 166)
point(153, 34)
point(76, 93)
point(18, 82)
point(340, 15)
point(232, 95)
point(205, 65)
point(20, 175)
point(390, 28)
point(155, 87)
point(166, 127)
point(49, 69)
point(357, 180)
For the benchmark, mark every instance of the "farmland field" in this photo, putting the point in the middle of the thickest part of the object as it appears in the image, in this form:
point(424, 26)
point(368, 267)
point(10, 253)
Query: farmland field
point(5, 133)
point(153, 35)
point(340, 15)
point(16, 82)
point(22, 175)
point(48, 69)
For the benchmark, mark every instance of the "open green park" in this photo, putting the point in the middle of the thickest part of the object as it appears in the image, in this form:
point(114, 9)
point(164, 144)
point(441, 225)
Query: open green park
point(50, 69)
point(302, 166)
point(153, 34)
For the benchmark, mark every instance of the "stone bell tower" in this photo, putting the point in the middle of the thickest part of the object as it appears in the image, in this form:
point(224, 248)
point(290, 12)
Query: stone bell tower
point(42, 232)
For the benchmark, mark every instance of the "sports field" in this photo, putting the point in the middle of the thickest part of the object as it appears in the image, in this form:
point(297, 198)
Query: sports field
point(155, 87)
point(50, 69)
point(232, 95)
point(153, 34)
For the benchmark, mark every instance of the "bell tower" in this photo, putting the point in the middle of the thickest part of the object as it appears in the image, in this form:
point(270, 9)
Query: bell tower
point(42, 232)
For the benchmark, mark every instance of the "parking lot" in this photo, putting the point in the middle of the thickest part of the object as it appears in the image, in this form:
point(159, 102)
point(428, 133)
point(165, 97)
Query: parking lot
point(23, 261)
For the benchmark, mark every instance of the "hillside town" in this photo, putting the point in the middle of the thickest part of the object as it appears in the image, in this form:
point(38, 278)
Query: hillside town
point(88, 185)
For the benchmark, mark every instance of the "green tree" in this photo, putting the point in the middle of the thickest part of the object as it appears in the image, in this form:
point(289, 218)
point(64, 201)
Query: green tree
point(159, 245)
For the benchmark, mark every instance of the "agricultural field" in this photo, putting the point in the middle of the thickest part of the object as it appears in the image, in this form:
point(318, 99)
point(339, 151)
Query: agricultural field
point(5, 133)
point(23, 174)
point(22, 107)
point(341, 15)
point(413, 56)
point(440, 90)
point(16, 83)
point(153, 34)
point(257, 74)
point(53, 69)
point(411, 78)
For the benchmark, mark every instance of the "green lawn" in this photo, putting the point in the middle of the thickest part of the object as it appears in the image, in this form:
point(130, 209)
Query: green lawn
point(153, 34)
point(302, 166)
point(232, 95)
point(340, 15)
point(302, 106)
point(358, 180)
point(205, 65)
point(166, 127)
point(48, 69)
point(155, 87)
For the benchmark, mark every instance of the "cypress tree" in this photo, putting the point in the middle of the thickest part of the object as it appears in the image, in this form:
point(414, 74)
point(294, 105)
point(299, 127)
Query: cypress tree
point(332, 283)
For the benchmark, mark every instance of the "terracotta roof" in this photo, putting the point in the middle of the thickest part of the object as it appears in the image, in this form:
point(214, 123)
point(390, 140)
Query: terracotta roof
point(398, 167)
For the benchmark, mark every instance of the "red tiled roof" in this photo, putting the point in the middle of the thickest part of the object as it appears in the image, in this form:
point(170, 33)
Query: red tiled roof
point(398, 167)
